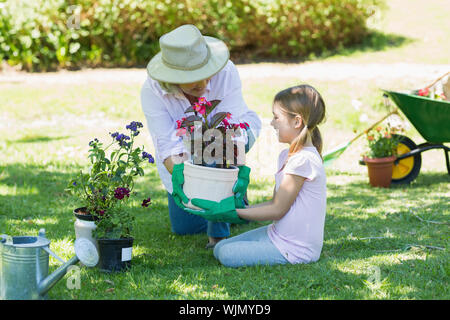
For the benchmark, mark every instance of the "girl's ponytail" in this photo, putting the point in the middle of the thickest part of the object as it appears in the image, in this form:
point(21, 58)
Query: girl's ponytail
point(299, 141)
point(316, 138)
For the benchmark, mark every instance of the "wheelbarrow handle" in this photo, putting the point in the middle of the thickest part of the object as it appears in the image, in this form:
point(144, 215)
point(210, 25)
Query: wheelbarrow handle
point(435, 81)
point(395, 111)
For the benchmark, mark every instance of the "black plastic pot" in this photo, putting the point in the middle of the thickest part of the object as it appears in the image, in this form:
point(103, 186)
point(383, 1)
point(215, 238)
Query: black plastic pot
point(115, 254)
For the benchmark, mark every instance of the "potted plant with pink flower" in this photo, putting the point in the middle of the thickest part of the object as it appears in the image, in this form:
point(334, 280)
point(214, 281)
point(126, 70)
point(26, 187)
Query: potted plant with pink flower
point(216, 145)
point(105, 191)
point(382, 151)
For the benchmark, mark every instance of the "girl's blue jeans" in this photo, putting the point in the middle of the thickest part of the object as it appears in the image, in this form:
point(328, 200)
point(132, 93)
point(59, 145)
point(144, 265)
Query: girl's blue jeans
point(184, 223)
point(253, 247)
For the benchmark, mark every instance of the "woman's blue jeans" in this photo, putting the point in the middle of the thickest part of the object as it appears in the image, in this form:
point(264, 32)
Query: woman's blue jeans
point(184, 223)
point(253, 247)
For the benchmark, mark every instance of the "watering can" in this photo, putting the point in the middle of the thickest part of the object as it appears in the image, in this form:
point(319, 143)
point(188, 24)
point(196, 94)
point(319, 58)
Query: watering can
point(24, 264)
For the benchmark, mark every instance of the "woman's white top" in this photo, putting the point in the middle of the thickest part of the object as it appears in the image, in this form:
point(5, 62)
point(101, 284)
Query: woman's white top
point(162, 109)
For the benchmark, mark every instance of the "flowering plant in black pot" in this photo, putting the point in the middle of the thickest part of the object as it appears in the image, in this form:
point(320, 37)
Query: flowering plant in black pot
point(105, 190)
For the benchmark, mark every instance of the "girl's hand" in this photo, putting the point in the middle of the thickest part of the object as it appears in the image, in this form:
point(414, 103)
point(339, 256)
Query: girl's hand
point(241, 185)
point(223, 211)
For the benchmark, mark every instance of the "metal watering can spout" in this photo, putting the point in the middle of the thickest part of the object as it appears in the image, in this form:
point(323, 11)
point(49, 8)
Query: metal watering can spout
point(48, 283)
point(44, 285)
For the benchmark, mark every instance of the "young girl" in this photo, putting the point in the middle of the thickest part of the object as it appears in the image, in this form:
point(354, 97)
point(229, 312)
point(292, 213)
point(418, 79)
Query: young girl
point(299, 198)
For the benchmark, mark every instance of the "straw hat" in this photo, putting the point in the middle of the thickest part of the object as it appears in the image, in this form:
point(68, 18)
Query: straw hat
point(186, 56)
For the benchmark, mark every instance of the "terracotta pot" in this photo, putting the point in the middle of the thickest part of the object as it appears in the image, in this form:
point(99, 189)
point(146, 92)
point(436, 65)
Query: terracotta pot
point(380, 171)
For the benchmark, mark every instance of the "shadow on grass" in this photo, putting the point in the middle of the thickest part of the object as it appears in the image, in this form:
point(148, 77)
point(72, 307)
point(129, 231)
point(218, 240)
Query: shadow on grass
point(374, 41)
point(33, 197)
point(170, 266)
point(36, 139)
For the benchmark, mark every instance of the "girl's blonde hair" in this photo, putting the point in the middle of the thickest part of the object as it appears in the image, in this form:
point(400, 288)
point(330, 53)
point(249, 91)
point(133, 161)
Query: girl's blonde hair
point(305, 101)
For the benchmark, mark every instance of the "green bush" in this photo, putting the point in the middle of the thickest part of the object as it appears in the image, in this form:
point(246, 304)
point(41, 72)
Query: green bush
point(51, 34)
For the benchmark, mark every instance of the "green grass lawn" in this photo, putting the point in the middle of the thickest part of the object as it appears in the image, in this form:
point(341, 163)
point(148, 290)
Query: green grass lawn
point(378, 243)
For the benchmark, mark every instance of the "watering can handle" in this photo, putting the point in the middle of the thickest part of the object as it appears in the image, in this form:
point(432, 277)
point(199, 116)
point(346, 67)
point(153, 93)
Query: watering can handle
point(50, 252)
point(6, 238)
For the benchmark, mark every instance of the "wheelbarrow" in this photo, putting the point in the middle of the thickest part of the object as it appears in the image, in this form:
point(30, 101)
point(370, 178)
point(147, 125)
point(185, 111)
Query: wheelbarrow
point(431, 118)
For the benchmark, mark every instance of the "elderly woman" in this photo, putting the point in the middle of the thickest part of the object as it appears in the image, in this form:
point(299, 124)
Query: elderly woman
point(190, 66)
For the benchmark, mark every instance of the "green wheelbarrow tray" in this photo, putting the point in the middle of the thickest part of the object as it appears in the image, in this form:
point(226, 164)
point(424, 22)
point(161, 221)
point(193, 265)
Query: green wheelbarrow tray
point(430, 117)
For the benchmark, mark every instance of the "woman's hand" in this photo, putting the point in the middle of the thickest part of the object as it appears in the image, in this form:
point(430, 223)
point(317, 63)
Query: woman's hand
point(177, 183)
point(171, 161)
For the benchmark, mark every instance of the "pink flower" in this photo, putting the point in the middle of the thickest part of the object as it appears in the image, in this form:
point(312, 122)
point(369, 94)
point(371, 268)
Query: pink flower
point(181, 132)
point(424, 92)
point(244, 125)
point(228, 115)
point(202, 110)
point(180, 122)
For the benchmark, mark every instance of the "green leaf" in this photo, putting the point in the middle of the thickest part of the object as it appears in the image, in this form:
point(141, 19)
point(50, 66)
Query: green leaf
point(217, 119)
point(189, 110)
point(190, 121)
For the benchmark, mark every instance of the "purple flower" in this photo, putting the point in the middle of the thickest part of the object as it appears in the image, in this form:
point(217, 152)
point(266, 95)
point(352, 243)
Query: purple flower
point(146, 202)
point(93, 142)
point(120, 193)
point(133, 126)
point(120, 137)
point(148, 156)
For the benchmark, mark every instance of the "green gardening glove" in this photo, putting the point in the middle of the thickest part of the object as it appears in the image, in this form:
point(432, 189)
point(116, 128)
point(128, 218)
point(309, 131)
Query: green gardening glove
point(240, 187)
point(223, 211)
point(177, 182)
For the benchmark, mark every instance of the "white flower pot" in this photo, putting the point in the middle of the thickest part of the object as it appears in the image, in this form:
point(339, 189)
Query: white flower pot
point(207, 183)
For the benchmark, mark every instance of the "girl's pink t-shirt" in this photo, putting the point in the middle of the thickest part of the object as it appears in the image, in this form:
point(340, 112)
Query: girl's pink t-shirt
point(299, 234)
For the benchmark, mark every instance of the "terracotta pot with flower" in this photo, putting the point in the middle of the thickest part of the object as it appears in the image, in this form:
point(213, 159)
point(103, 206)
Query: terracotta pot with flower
point(382, 145)
point(216, 145)
point(105, 191)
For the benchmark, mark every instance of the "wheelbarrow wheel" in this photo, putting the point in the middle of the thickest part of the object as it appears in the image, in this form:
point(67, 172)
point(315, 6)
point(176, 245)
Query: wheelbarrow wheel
point(406, 170)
